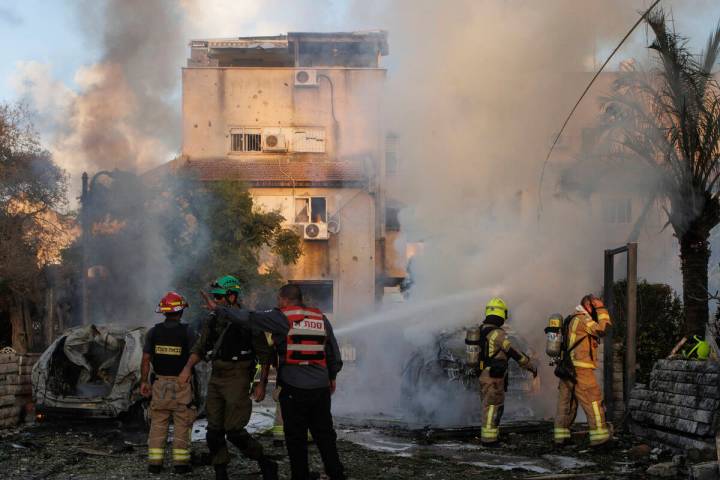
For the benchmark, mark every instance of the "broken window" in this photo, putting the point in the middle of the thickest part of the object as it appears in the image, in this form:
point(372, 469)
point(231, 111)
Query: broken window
point(316, 293)
point(617, 210)
point(245, 140)
point(302, 210)
point(311, 210)
point(317, 210)
point(392, 219)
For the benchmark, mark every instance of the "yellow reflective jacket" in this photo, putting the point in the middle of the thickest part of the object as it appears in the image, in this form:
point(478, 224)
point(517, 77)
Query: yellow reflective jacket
point(583, 333)
point(499, 347)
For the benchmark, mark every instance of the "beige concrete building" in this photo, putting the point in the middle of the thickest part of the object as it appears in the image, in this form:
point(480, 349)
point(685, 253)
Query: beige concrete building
point(298, 118)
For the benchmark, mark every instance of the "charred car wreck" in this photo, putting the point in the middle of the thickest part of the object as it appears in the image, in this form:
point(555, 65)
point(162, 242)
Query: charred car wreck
point(90, 370)
point(441, 386)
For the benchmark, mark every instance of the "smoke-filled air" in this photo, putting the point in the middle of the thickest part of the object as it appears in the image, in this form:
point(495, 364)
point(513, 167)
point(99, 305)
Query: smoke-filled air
point(417, 169)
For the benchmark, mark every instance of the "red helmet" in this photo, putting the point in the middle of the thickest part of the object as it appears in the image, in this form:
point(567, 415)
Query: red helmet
point(171, 302)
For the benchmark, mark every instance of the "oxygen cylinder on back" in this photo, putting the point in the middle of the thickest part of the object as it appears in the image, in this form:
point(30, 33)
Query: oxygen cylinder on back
point(553, 335)
point(472, 348)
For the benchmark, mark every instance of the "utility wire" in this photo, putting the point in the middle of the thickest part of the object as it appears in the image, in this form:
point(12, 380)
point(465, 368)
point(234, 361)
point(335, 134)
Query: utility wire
point(587, 89)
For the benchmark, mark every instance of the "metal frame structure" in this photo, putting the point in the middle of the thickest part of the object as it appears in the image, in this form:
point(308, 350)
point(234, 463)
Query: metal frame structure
point(630, 327)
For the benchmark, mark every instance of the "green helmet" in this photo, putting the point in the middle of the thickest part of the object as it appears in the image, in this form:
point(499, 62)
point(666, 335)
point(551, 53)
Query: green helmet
point(224, 285)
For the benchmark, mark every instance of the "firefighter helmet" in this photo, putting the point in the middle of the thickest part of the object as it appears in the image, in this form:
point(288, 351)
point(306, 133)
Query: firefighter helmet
point(171, 302)
point(224, 285)
point(496, 306)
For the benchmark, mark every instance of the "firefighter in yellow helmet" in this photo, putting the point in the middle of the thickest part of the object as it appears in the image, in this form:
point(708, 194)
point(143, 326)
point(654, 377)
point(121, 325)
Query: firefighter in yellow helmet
point(495, 352)
point(578, 358)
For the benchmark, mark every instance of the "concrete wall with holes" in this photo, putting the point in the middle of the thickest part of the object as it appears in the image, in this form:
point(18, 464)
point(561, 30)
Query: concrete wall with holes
point(346, 258)
point(216, 100)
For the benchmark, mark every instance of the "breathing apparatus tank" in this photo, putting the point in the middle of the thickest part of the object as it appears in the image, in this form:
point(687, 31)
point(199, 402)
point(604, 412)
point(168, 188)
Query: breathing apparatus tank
point(472, 342)
point(553, 335)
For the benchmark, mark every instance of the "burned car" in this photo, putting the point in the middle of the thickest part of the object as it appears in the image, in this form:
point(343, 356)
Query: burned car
point(440, 386)
point(94, 371)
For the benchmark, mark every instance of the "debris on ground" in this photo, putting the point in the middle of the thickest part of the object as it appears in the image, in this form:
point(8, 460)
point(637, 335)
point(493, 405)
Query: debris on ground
point(85, 450)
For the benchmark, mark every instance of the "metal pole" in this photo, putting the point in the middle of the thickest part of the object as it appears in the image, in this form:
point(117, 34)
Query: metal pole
point(84, 236)
point(631, 324)
point(608, 340)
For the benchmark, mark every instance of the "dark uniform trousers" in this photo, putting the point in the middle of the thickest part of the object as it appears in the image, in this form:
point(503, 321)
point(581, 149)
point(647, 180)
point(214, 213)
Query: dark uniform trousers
point(304, 409)
point(228, 411)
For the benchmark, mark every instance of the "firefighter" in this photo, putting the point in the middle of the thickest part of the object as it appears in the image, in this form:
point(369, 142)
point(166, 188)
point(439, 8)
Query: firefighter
point(309, 361)
point(581, 332)
point(233, 351)
point(495, 351)
point(167, 348)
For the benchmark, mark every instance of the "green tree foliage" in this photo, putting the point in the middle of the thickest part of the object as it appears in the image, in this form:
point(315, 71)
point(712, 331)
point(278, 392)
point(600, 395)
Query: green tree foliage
point(224, 234)
point(659, 318)
point(31, 186)
point(145, 238)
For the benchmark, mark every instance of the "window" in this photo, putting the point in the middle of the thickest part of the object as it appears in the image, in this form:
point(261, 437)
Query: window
point(617, 210)
point(590, 137)
point(245, 140)
point(311, 210)
point(391, 158)
point(309, 140)
point(302, 210)
point(392, 219)
point(316, 293)
point(317, 210)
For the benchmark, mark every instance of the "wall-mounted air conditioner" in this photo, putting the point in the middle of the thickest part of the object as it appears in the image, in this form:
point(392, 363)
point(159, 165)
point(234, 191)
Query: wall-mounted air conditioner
point(306, 78)
point(274, 142)
point(316, 231)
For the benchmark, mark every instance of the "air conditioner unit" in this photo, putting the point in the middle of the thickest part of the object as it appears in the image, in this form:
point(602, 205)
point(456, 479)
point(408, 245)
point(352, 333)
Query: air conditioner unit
point(275, 142)
point(315, 231)
point(306, 78)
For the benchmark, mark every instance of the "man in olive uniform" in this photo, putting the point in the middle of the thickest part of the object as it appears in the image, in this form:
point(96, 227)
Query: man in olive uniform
point(233, 351)
point(309, 361)
point(167, 348)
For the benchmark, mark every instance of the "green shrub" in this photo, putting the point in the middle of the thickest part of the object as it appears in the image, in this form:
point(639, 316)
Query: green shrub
point(659, 322)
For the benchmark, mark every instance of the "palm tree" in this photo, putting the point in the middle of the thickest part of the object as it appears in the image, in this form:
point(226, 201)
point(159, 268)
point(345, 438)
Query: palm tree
point(669, 119)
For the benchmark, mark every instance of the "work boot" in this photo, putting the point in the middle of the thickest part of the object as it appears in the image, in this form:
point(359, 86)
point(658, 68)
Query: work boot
point(182, 469)
point(155, 469)
point(269, 469)
point(221, 472)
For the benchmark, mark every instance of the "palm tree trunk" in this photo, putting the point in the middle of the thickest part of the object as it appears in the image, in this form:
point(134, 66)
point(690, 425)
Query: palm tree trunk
point(694, 257)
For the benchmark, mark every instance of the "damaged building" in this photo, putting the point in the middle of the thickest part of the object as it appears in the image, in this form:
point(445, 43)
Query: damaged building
point(298, 118)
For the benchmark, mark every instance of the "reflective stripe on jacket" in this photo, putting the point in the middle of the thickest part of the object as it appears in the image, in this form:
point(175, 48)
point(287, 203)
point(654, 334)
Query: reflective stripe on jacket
point(306, 338)
point(584, 332)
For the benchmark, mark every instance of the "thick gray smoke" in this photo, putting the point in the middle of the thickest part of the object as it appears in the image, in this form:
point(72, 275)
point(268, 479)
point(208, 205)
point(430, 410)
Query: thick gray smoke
point(476, 91)
point(476, 95)
point(125, 111)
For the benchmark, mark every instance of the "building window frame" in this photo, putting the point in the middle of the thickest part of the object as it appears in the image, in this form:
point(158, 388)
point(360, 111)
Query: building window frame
point(617, 210)
point(314, 296)
point(315, 206)
point(246, 140)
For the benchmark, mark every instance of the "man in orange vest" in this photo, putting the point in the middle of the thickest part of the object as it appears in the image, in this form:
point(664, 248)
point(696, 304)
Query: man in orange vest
point(309, 361)
point(581, 333)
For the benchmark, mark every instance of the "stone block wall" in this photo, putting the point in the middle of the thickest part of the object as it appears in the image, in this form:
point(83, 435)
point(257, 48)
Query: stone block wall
point(679, 406)
point(15, 385)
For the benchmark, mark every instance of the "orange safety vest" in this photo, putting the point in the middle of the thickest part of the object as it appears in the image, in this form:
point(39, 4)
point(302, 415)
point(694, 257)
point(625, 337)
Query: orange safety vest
point(306, 337)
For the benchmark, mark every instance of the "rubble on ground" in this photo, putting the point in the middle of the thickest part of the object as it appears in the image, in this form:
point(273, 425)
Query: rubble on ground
point(110, 449)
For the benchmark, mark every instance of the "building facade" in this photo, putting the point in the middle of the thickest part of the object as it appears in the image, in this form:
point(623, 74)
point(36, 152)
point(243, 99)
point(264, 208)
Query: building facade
point(298, 118)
